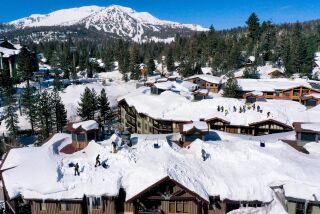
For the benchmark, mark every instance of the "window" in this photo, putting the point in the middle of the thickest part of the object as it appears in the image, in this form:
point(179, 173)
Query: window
point(43, 206)
point(287, 93)
point(311, 102)
point(94, 202)
point(81, 137)
point(296, 93)
point(300, 208)
point(218, 123)
point(65, 206)
point(74, 137)
point(179, 207)
point(308, 136)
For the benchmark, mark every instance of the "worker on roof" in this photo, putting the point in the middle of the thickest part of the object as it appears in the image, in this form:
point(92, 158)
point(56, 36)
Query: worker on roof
point(97, 161)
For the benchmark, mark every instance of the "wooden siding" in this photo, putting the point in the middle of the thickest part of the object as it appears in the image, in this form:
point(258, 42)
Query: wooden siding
point(53, 208)
point(212, 87)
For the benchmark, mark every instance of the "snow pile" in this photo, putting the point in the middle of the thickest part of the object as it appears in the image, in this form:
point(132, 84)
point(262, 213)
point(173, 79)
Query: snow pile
point(313, 148)
point(171, 106)
point(86, 125)
point(236, 170)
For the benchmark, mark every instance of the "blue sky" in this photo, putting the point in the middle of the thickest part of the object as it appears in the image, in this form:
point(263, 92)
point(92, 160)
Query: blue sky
point(222, 14)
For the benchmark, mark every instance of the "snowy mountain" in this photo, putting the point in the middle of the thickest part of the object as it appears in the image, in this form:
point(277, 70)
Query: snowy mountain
point(113, 20)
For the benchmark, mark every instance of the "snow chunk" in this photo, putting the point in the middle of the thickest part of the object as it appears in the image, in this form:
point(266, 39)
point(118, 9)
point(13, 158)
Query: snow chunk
point(86, 125)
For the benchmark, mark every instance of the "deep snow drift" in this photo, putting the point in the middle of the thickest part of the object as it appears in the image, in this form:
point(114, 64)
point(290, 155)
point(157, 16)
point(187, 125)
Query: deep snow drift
point(237, 170)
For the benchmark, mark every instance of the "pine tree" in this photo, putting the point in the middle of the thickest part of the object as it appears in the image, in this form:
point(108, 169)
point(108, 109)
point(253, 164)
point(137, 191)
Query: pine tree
point(25, 65)
point(253, 26)
point(57, 85)
point(10, 114)
point(251, 73)
point(151, 65)
point(104, 106)
point(60, 112)
point(28, 101)
point(45, 120)
point(134, 63)
point(268, 39)
point(231, 88)
point(88, 104)
point(170, 60)
point(298, 51)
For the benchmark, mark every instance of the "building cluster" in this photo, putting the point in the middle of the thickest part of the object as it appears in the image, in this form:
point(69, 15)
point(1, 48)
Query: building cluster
point(8, 56)
point(152, 177)
point(168, 158)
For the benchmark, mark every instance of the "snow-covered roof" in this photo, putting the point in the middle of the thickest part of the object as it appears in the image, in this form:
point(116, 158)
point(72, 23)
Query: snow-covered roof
point(172, 106)
point(237, 170)
point(256, 93)
point(177, 86)
point(206, 77)
point(86, 125)
point(6, 52)
point(271, 84)
point(315, 95)
point(311, 126)
point(199, 125)
point(264, 72)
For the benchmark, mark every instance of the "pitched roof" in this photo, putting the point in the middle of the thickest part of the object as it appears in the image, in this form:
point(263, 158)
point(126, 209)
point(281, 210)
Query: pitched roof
point(206, 77)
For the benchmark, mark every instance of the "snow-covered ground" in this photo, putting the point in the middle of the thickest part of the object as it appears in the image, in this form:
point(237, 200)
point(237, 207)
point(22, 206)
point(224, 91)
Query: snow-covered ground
point(238, 169)
point(71, 95)
point(111, 81)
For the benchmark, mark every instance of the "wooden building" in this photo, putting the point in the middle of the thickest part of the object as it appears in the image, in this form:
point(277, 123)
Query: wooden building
point(82, 133)
point(143, 124)
point(301, 206)
point(192, 131)
point(258, 128)
point(209, 82)
point(310, 100)
point(296, 94)
point(8, 56)
point(167, 196)
point(307, 132)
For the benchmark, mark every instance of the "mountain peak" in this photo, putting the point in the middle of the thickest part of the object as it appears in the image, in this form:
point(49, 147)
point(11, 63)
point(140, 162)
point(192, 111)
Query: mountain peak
point(114, 19)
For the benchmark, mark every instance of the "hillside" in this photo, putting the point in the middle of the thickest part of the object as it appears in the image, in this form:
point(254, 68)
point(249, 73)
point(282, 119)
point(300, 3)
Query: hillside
point(115, 21)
